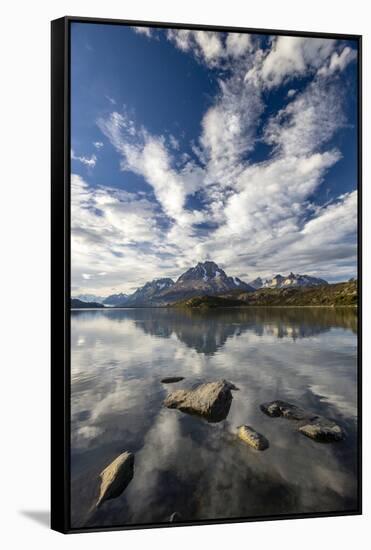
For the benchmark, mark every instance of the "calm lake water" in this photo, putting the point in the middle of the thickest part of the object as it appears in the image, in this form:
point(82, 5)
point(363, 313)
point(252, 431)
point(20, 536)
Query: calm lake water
point(184, 464)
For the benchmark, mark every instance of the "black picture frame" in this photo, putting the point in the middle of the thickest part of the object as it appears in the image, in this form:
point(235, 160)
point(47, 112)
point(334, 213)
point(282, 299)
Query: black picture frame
point(60, 269)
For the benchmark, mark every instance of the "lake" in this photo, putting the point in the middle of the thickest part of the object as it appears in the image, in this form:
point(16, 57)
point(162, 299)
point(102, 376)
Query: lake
point(184, 464)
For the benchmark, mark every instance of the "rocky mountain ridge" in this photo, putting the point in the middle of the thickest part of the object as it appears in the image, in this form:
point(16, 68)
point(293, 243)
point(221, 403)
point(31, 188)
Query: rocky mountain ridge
point(204, 279)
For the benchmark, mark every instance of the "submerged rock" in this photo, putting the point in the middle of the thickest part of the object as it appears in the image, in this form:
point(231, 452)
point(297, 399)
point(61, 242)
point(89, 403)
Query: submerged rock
point(322, 430)
point(285, 410)
point(172, 379)
point(211, 400)
point(253, 438)
point(116, 477)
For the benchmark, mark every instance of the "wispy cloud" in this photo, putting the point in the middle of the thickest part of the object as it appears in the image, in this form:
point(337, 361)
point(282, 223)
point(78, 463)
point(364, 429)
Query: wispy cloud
point(91, 162)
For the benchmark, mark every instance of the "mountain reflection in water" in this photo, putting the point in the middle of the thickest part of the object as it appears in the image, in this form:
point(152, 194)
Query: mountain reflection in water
point(182, 463)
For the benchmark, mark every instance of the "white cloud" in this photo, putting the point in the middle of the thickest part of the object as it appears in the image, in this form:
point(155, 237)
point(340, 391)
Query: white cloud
point(212, 48)
point(307, 122)
point(229, 129)
point(238, 44)
point(91, 162)
point(146, 31)
point(114, 236)
point(147, 156)
point(292, 56)
point(98, 144)
point(338, 62)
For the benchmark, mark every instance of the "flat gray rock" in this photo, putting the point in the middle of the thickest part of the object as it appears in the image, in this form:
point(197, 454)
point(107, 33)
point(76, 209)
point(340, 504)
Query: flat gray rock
point(253, 438)
point(172, 379)
point(116, 477)
point(211, 400)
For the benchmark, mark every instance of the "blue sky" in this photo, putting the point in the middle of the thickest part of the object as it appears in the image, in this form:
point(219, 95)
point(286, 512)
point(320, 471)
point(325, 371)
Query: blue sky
point(193, 145)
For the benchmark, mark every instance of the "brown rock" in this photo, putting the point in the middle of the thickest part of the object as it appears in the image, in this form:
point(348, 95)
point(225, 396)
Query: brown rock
point(116, 477)
point(322, 430)
point(253, 438)
point(211, 400)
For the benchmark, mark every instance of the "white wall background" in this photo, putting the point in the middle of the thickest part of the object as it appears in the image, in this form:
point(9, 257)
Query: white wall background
point(24, 219)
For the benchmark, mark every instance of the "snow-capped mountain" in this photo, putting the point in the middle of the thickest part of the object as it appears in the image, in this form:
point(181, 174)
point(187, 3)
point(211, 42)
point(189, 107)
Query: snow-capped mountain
point(205, 278)
point(89, 298)
point(211, 275)
point(282, 281)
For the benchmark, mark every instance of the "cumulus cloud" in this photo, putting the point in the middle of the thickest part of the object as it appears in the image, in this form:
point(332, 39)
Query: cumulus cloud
point(293, 56)
point(212, 48)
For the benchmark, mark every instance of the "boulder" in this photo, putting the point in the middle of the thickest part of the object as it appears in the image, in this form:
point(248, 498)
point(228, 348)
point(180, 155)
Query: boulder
point(322, 430)
point(211, 400)
point(172, 379)
point(116, 477)
point(285, 410)
point(253, 438)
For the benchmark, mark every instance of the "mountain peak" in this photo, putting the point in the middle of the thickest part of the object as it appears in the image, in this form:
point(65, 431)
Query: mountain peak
point(203, 270)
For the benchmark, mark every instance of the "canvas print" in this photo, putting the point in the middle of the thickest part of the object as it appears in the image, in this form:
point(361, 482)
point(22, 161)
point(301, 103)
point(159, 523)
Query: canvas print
point(214, 317)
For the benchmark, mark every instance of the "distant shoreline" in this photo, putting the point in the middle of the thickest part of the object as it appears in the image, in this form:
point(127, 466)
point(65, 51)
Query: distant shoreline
point(214, 308)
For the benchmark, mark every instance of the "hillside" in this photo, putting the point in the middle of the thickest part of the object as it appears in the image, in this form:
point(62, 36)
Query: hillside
point(339, 294)
point(79, 304)
point(209, 302)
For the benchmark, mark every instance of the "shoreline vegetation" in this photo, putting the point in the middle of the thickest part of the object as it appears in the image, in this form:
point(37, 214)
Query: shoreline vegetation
point(330, 295)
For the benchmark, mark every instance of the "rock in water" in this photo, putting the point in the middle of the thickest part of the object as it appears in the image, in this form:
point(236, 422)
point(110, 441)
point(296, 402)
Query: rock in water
point(211, 400)
point(312, 425)
point(116, 477)
point(322, 430)
point(286, 410)
point(172, 379)
point(253, 438)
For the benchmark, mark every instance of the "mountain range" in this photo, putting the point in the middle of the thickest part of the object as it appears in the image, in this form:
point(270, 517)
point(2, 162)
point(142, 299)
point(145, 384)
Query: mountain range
point(206, 278)
point(282, 281)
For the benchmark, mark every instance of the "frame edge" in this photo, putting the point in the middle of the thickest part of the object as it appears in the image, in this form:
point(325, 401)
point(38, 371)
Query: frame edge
point(59, 518)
